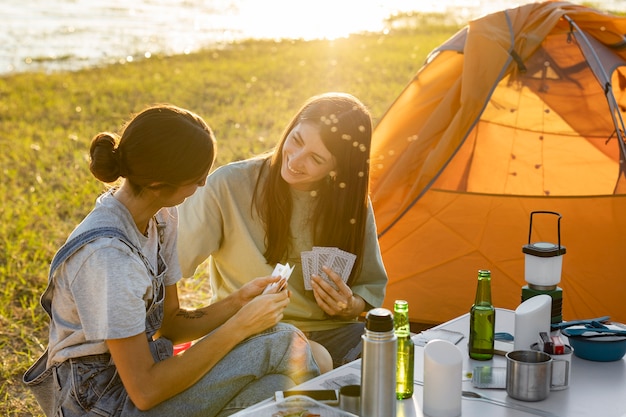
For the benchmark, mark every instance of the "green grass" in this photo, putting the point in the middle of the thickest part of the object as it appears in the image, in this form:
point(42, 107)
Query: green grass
point(247, 92)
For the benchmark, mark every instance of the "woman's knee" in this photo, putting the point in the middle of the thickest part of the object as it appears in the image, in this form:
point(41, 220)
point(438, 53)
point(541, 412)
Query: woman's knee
point(321, 356)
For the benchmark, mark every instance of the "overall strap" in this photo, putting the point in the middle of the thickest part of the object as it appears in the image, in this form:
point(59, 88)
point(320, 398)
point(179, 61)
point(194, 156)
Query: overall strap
point(82, 239)
point(77, 242)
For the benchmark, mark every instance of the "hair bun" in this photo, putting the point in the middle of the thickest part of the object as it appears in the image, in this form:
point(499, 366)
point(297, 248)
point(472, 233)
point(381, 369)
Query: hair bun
point(105, 162)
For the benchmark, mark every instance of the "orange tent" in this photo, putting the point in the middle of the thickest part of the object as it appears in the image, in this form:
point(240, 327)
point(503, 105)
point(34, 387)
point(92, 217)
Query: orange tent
point(520, 111)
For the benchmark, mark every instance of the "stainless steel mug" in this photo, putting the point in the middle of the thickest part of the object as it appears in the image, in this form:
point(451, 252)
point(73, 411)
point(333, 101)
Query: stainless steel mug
point(528, 375)
point(561, 367)
point(350, 399)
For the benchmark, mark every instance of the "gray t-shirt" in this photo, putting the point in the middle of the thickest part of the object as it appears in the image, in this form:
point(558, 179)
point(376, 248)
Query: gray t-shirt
point(103, 290)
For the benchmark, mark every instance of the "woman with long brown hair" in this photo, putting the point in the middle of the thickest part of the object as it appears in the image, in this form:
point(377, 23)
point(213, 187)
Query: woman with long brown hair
point(311, 191)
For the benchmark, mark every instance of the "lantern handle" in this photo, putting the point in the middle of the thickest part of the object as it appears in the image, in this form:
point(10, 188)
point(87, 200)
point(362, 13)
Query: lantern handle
point(530, 229)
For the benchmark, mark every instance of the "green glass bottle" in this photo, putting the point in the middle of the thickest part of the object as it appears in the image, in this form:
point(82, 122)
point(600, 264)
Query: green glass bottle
point(482, 320)
point(405, 356)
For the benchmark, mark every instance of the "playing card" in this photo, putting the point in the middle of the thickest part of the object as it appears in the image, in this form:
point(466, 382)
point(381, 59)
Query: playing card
point(283, 271)
point(336, 259)
point(307, 258)
point(324, 258)
point(342, 263)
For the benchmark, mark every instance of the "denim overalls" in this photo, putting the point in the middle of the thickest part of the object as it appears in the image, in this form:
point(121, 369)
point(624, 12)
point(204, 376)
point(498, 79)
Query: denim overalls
point(90, 385)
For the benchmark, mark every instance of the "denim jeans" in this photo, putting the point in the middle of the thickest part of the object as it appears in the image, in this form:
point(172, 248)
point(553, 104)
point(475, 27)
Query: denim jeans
point(274, 360)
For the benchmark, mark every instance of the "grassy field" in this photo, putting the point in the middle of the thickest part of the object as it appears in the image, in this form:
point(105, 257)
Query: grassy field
point(247, 92)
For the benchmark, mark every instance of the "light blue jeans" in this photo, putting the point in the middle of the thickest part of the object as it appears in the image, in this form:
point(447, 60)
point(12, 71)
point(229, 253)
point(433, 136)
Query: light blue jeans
point(274, 360)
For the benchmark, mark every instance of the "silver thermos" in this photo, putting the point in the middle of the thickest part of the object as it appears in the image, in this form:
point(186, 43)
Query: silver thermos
point(378, 365)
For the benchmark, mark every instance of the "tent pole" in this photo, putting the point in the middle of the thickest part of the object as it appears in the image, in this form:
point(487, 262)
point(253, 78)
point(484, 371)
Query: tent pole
point(604, 81)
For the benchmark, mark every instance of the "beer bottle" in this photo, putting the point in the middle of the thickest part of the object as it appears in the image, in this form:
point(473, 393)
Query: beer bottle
point(405, 356)
point(482, 320)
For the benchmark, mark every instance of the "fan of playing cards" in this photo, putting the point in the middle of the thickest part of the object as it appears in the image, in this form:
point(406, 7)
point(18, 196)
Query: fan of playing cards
point(283, 271)
point(336, 259)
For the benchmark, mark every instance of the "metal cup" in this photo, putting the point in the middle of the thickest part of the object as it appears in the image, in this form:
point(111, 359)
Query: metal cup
point(561, 368)
point(350, 398)
point(528, 375)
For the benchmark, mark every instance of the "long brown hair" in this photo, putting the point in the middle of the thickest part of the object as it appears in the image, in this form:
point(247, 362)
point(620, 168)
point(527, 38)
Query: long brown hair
point(345, 127)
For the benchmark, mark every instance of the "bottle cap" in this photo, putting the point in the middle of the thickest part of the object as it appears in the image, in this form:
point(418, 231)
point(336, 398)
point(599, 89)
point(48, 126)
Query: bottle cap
point(379, 320)
point(401, 305)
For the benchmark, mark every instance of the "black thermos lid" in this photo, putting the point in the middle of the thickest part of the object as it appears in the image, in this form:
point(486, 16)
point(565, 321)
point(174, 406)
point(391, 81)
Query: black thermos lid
point(379, 320)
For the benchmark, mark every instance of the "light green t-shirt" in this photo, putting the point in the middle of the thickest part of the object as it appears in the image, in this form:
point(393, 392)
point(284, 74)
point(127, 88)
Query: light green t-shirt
point(219, 222)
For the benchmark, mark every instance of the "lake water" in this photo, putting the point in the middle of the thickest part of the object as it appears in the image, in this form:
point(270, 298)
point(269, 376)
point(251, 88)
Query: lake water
point(54, 35)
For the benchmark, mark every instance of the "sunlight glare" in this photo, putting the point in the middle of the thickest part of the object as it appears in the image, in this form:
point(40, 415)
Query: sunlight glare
point(322, 19)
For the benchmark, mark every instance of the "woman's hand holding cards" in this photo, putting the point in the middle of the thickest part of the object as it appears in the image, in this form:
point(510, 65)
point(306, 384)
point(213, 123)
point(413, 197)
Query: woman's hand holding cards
point(339, 261)
point(340, 302)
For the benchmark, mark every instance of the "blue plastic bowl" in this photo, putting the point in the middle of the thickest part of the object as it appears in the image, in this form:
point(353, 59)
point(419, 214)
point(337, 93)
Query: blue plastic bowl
point(599, 349)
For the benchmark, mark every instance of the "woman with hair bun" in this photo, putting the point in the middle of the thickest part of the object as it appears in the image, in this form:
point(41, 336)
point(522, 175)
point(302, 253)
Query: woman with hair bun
point(114, 306)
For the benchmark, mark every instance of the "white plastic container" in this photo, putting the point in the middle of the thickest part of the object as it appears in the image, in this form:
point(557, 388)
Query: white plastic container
point(294, 405)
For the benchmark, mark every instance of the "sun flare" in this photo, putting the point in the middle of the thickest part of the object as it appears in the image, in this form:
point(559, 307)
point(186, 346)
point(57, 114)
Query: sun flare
point(322, 19)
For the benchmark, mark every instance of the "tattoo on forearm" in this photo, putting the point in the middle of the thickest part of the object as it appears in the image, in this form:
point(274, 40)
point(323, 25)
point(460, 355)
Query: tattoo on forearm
point(193, 314)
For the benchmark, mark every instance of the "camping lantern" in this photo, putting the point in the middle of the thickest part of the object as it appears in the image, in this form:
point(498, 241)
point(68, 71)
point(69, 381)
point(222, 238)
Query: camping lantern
point(543, 262)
